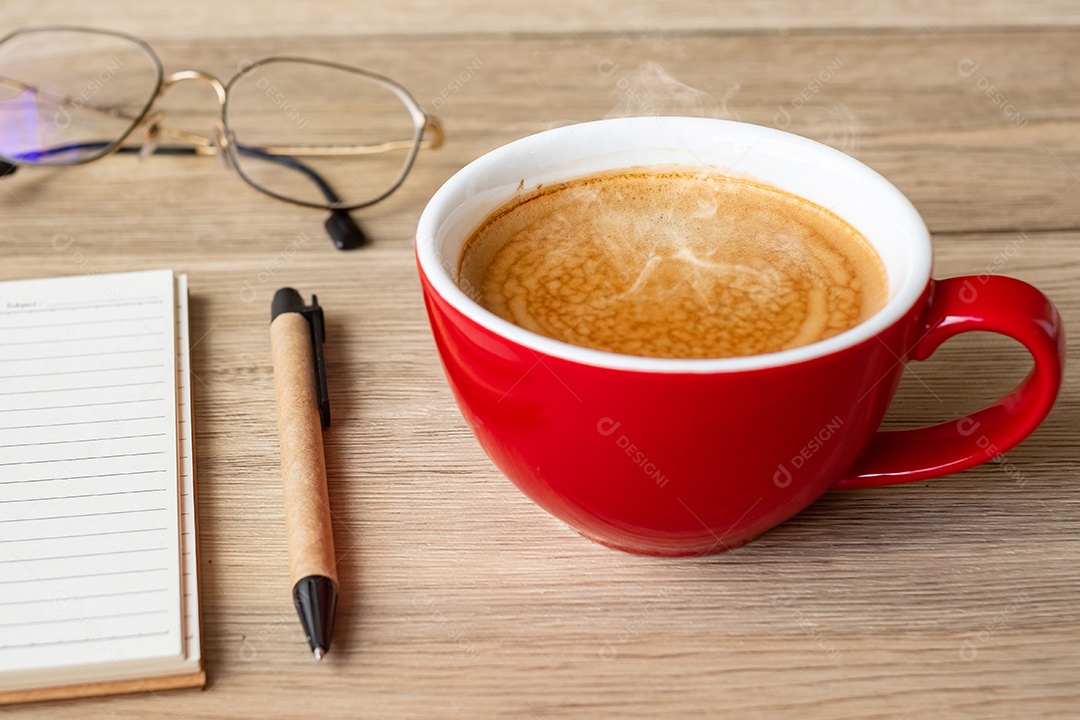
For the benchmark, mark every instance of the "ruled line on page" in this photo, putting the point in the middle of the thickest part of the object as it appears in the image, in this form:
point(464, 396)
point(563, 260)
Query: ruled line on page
point(83, 477)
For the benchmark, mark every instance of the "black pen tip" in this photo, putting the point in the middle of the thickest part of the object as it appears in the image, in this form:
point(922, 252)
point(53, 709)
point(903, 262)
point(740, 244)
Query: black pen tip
point(315, 598)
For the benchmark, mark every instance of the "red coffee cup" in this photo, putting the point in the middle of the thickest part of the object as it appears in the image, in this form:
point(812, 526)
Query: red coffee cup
point(689, 457)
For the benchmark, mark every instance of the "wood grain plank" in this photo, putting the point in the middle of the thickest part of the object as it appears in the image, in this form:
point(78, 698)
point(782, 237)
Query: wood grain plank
point(235, 18)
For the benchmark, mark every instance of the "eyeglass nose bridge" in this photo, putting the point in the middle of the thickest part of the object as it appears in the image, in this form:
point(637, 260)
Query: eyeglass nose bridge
point(197, 75)
point(154, 125)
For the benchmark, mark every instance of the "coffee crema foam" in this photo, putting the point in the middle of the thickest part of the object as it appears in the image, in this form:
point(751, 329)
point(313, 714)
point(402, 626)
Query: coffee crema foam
point(672, 264)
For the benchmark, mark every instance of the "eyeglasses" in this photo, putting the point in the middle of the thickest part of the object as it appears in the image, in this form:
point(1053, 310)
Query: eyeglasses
point(309, 132)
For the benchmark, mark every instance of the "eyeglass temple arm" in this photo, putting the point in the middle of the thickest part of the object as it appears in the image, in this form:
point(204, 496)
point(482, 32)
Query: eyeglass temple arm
point(203, 144)
point(342, 229)
point(432, 126)
point(285, 161)
point(340, 226)
point(206, 145)
point(65, 99)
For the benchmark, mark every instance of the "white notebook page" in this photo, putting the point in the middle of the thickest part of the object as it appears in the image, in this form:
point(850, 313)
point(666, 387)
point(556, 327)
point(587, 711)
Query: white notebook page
point(90, 542)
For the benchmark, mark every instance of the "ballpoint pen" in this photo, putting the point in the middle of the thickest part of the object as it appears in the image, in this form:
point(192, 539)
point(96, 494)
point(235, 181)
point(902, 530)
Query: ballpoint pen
point(303, 411)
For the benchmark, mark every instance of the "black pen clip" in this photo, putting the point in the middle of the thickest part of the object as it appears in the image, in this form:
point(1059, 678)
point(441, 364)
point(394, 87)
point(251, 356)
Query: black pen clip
point(288, 300)
point(314, 315)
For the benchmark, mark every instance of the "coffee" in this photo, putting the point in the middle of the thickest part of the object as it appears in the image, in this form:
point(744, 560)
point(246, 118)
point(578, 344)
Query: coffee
point(672, 264)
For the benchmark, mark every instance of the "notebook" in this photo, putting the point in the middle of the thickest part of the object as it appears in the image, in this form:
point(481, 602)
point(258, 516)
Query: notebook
point(99, 588)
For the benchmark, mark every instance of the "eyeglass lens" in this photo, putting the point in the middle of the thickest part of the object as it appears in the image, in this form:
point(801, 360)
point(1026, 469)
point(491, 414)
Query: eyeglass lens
point(293, 123)
point(68, 96)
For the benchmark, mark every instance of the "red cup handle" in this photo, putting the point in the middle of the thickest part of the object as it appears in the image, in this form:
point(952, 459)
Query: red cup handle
point(990, 303)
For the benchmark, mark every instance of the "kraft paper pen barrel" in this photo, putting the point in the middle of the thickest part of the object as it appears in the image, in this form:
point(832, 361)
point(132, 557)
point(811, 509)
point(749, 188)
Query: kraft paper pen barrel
point(303, 411)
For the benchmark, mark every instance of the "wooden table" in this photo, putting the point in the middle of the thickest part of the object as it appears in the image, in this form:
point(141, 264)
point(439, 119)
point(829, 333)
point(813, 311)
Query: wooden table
point(958, 597)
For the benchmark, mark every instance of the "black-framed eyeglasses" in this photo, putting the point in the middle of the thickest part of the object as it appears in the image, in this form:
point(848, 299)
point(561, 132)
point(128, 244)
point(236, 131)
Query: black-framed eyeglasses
point(309, 132)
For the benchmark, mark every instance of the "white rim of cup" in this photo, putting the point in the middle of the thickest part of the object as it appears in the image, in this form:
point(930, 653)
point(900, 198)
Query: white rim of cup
point(903, 296)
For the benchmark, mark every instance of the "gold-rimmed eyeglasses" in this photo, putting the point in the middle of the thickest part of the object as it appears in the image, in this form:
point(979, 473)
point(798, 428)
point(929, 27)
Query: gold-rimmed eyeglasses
point(309, 132)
